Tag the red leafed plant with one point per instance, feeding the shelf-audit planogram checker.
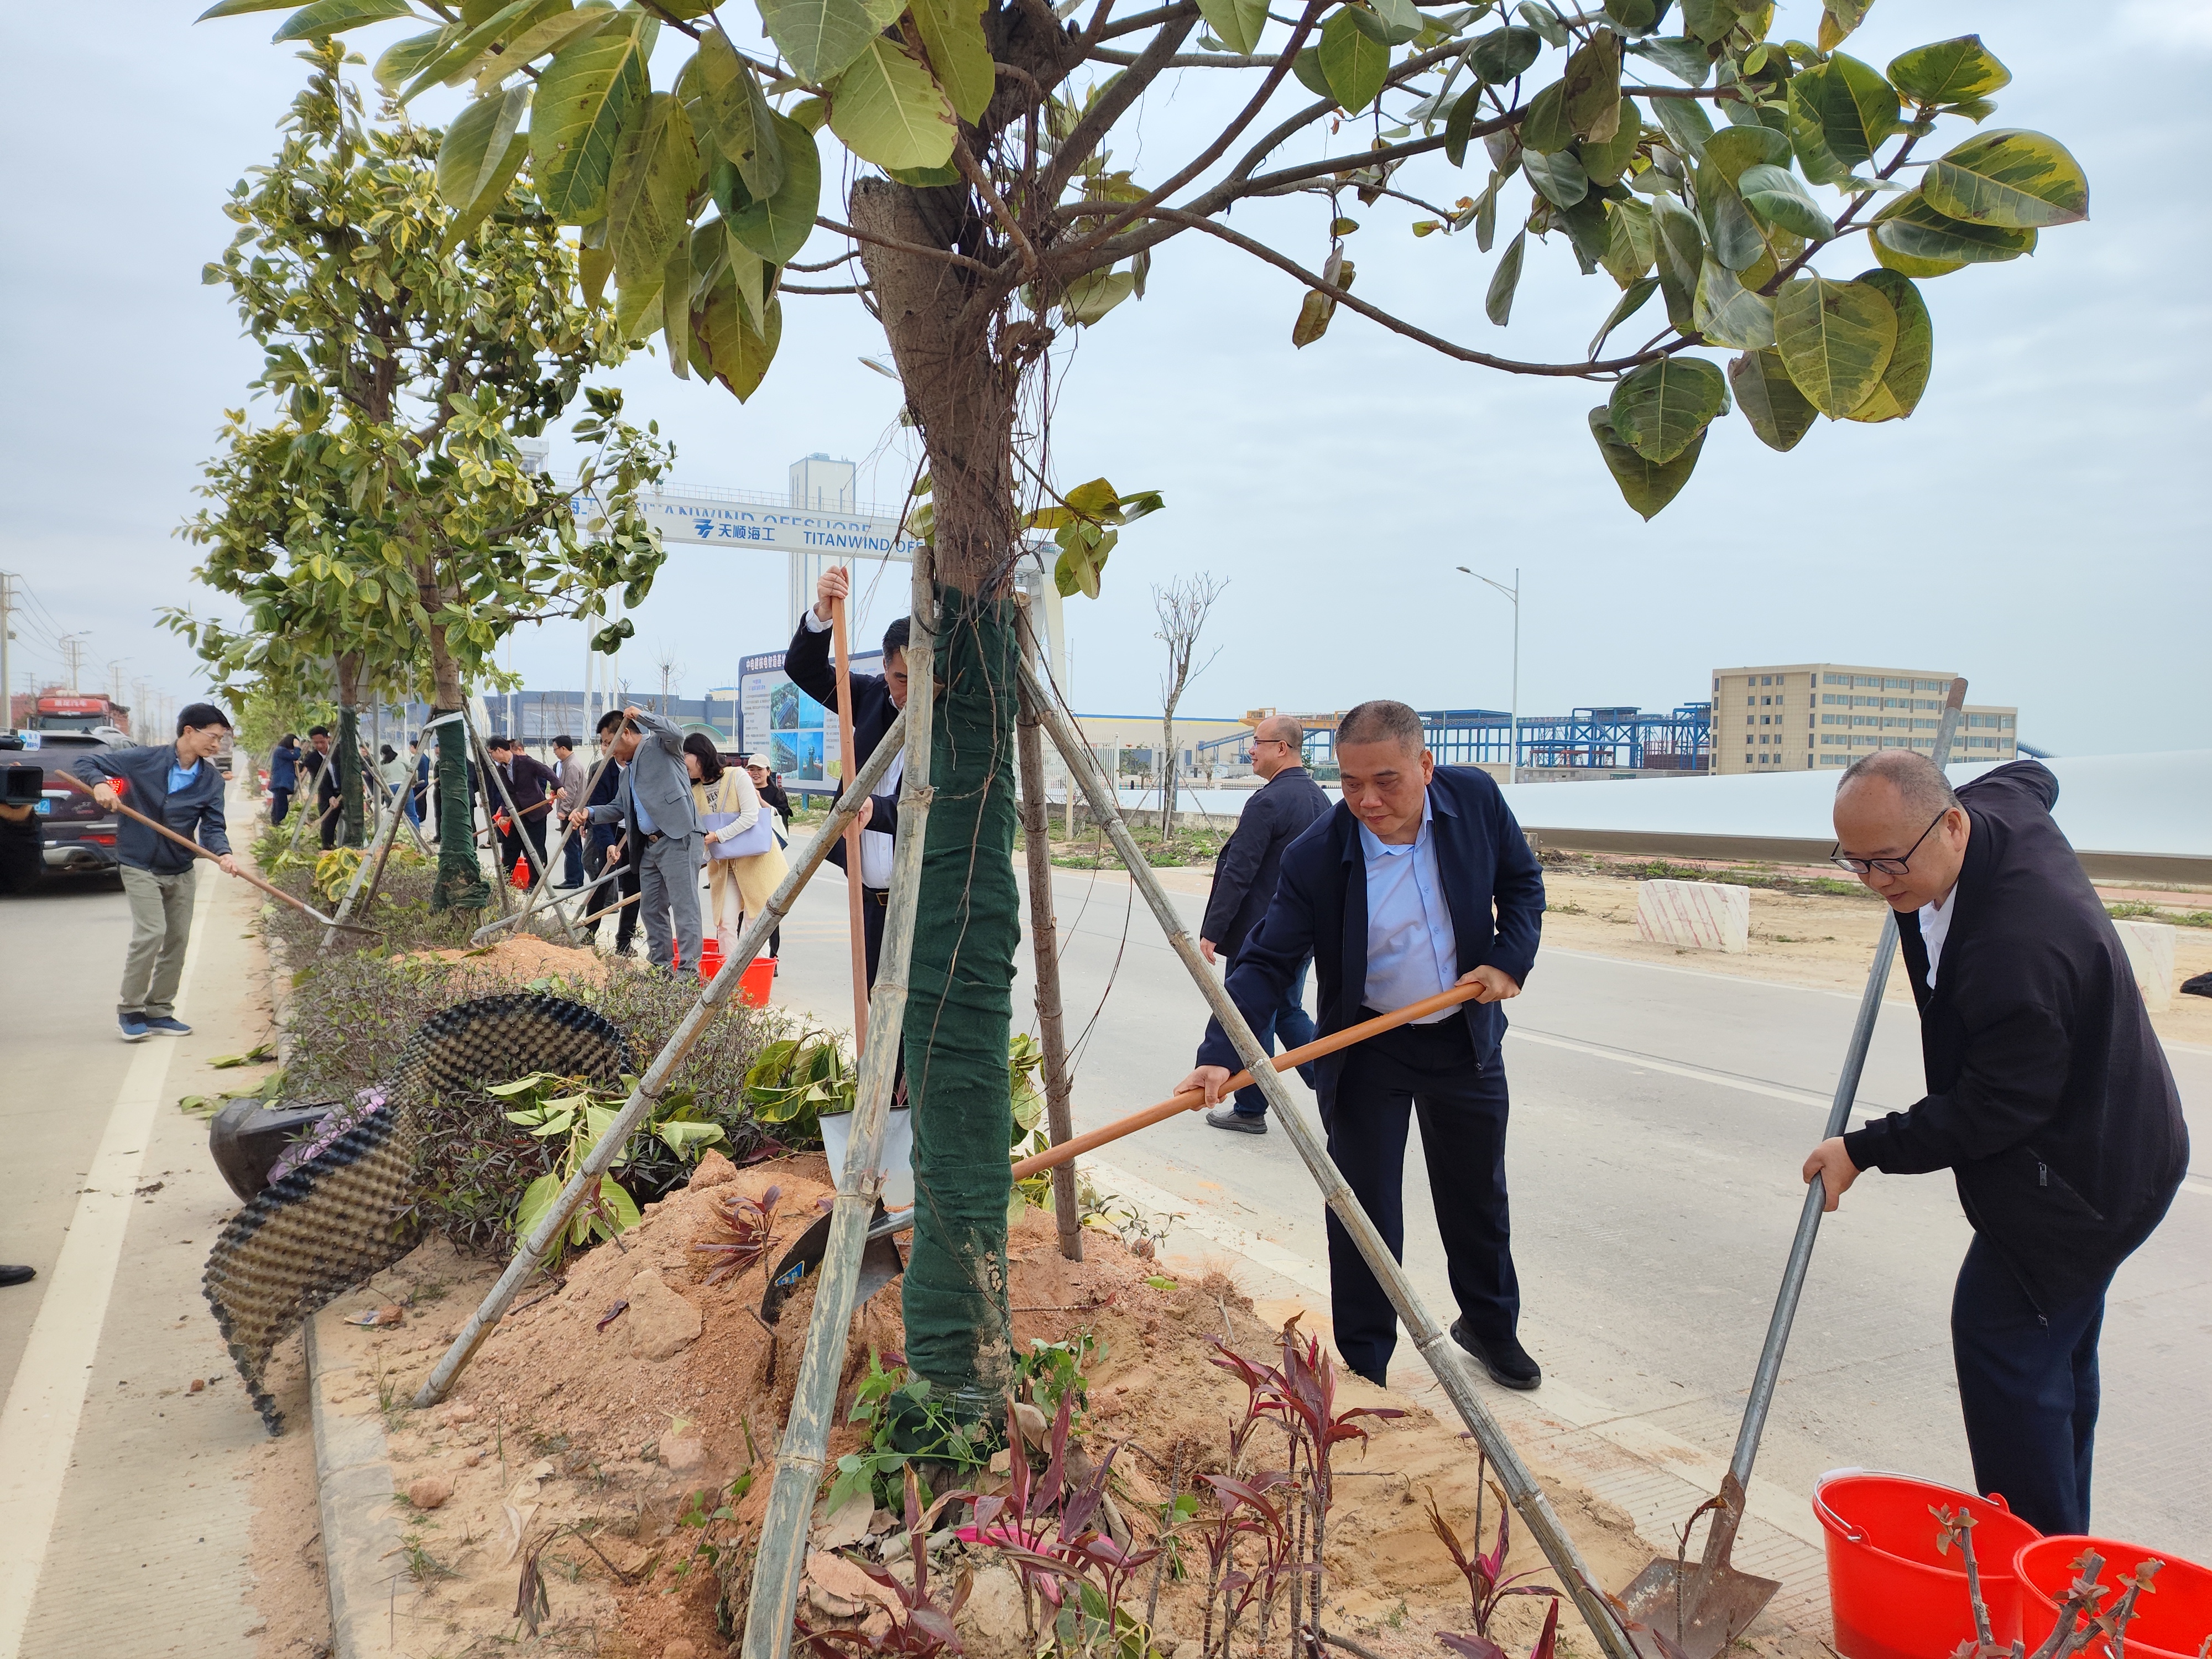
(921, 1628)
(2079, 1620)
(749, 1225)
(1481, 1647)
(1487, 1584)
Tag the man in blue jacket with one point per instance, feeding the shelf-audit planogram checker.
(1418, 880)
(1244, 877)
(175, 784)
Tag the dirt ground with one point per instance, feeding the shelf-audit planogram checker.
(526, 956)
(620, 1429)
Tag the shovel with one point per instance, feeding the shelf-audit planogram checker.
(1708, 1606)
(84, 788)
(880, 1261)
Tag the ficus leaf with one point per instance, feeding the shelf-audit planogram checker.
(1770, 399)
(1498, 303)
(1605, 160)
(2014, 179)
(730, 111)
(325, 18)
(584, 98)
(777, 227)
(819, 38)
(1774, 194)
(1591, 87)
(1560, 179)
(1355, 56)
(1912, 237)
(1631, 302)
(1545, 128)
(1660, 408)
(1836, 339)
(1646, 485)
(1902, 383)
(952, 34)
(1949, 72)
(889, 109)
(481, 152)
(1503, 53)
(648, 192)
(1729, 314)
(1857, 109)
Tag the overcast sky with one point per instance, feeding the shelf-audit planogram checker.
(2039, 526)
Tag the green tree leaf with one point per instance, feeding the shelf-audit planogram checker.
(1736, 240)
(1774, 194)
(1646, 485)
(1912, 237)
(1400, 22)
(778, 227)
(676, 308)
(819, 38)
(1730, 314)
(1306, 66)
(649, 191)
(327, 17)
(1836, 339)
(1857, 109)
(547, 34)
(1733, 150)
(1500, 55)
(1659, 408)
(1091, 296)
(1631, 302)
(1631, 240)
(1688, 127)
(1559, 178)
(1591, 95)
(240, 8)
(1459, 125)
(402, 58)
(728, 108)
(1906, 377)
(1770, 399)
(740, 353)
(1355, 57)
(1949, 72)
(2015, 180)
(584, 97)
(459, 59)
(1605, 160)
(1679, 243)
(952, 34)
(1808, 136)
(1543, 20)
(1545, 129)
(1684, 59)
(483, 151)
(889, 110)
(1498, 303)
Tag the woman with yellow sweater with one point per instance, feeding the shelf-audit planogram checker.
(741, 886)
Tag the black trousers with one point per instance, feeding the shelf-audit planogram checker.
(280, 803)
(2028, 1389)
(875, 910)
(1431, 1070)
(333, 819)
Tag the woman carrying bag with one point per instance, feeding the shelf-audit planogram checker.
(744, 856)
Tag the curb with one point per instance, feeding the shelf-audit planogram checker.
(362, 1551)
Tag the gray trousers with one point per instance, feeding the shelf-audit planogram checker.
(668, 886)
(161, 923)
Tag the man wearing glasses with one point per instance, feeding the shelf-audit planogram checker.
(2049, 1100)
(1244, 882)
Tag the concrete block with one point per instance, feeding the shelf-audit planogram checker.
(1694, 915)
(2149, 945)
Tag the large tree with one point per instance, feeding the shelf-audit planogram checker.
(382, 532)
(986, 217)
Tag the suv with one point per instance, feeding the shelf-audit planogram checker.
(76, 836)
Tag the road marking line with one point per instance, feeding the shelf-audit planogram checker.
(1672, 1068)
(39, 1424)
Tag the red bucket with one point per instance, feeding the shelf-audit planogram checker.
(710, 959)
(1894, 1597)
(756, 981)
(2172, 1623)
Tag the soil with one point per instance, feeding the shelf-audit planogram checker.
(600, 1434)
(526, 958)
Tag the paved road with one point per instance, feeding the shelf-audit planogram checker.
(1660, 1117)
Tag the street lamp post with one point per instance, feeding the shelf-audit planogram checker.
(1513, 765)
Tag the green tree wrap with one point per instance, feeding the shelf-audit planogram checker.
(460, 884)
(349, 791)
(958, 1011)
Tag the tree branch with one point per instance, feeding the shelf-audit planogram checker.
(801, 288)
(1126, 89)
(1184, 59)
(946, 254)
(1260, 250)
(1145, 20)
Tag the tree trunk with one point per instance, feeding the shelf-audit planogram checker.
(961, 373)
(349, 784)
(460, 884)
(1168, 778)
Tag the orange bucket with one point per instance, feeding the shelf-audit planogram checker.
(756, 981)
(710, 958)
(521, 878)
(1893, 1595)
(2172, 1623)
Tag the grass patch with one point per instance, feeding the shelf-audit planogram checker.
(1184, 847)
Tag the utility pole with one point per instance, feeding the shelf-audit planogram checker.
(6, 633)
(72, 647)
(141, 724)
(1513, 764)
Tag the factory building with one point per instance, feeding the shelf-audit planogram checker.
(1802, 716)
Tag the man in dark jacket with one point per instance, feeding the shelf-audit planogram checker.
(283, 777)
(877, 700)
(2049, 1099)
(1418, 880)
(175, 784)
(320, 763)
(530, 784)
(1244, 881)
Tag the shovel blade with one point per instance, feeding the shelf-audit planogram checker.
(880, 1261)
(1664, 1599)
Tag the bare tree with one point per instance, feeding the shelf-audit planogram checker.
(672, 675)
(1182, 607)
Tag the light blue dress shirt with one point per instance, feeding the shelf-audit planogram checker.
(645, 826)
(1412, 951)
(180, 777)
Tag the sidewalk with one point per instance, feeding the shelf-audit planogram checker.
(127, 1498)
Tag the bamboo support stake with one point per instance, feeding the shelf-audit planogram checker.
(781, 1562)
(1430, 1337)
(537, 864)
(386, 833)
(855, 901)
(539, 888)
(648, 1093)
(1044, 956)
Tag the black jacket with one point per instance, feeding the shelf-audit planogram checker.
(194, 811)
(2048, 1098)
(1244, 873)
(1492, 883)
(811, 668)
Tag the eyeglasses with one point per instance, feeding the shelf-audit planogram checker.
(1888, 866)
(1280, 742)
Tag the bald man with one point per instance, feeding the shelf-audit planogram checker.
(2049, 1100)
(1244, 877)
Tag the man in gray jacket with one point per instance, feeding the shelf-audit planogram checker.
(654, 808)
(177, 785)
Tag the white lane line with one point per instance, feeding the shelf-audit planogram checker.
(39, 1424)
(1673, 1068)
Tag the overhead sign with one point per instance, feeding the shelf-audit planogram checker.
(700, 518)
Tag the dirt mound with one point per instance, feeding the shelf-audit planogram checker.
(508, 961)
(608, 1422)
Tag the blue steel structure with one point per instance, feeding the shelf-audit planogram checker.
(1613, 738)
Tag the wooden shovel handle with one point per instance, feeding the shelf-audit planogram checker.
(1191, 1100)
